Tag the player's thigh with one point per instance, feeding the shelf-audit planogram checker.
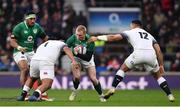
(18, 56)
(34, 69)
(91, 72)
(87, 64)
(152, 66)
(29, 56)
(46, 70)
(130, 61)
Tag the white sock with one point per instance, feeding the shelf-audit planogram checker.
(26, 88)
(161, 80)
(120, 73)
(38, 91)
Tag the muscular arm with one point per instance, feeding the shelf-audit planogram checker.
(159, 54)
(113, 37)
(69, 53)
(13, 43)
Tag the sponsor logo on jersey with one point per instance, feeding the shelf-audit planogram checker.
(45, 73)
(22, 56)
(35, 31)
(30, 38)
(25, 32)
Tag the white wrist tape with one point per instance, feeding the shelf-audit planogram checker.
(103, 37)
(19, 47)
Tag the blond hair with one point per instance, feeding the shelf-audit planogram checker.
(81, 28)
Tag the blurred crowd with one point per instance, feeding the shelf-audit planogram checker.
(160, 18)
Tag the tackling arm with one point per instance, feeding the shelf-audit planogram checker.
(69, 53)
(113, 37)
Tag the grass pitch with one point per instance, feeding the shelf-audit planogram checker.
(90, 98)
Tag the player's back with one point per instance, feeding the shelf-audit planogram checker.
(50, 50)
(140, 39)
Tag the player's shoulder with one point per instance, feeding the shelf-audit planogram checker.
(37, 25)
(88, 36)
(73, 37)
(18, 26)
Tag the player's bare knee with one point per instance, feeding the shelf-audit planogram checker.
(24, 69)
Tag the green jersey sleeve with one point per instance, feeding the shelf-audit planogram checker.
(16, 31)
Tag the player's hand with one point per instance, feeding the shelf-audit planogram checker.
(75, 65)
(22, 49)
(76, 50)
(161, 69)
(92, 39)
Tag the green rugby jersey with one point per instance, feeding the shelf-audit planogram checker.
(26, 35)
(73, 41)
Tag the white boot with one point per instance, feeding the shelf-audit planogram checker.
(109, 93)
(73, 95)
(171, 98)
(101, 98)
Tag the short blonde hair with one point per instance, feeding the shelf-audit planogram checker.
(81, 28)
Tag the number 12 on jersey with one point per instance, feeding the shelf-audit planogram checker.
(143, 35)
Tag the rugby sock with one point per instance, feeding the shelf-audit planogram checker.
(118, 78)
(164, 85)
(37, 93)
(76, 84)
(26, 88)
(98, 88)
(24, 93)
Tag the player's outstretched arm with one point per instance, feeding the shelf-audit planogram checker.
(113, 37)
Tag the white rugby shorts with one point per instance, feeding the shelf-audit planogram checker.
(147, 58)
(18, 56)
(42, 68)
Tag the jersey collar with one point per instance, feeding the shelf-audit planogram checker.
(26, 24)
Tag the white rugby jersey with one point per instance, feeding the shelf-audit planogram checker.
(139, 38)
(50, 50)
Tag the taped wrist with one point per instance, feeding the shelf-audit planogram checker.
(19, 47)
(103, 37)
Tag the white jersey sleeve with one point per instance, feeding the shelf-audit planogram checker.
(50, 50)
(139, 38)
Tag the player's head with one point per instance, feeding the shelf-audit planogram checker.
(80, 32)
(30, 18)
(135, 24)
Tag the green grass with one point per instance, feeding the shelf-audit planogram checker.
(90, 98)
